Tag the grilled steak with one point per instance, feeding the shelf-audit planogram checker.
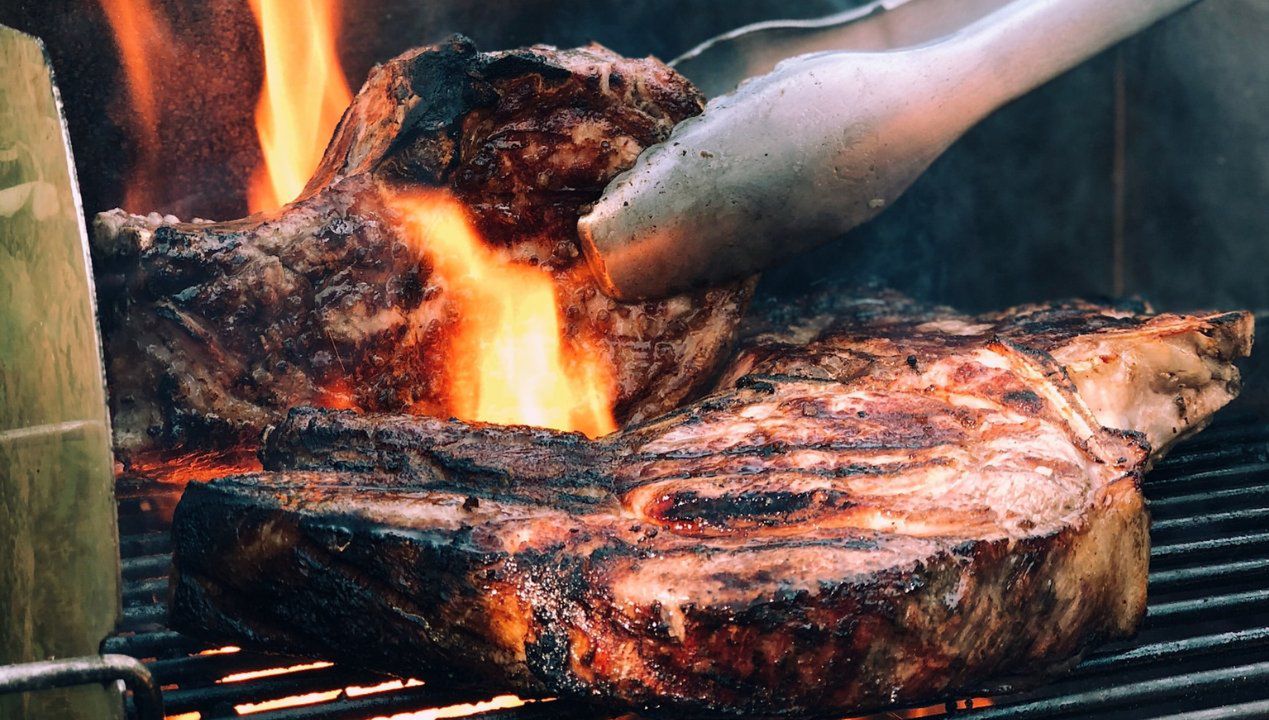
(214, 329)
(887, 505)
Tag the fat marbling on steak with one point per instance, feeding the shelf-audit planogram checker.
(213, 330)
(886, 504)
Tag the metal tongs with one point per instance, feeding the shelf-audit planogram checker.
(827, 140)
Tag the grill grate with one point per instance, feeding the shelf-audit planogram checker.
(1202, 653)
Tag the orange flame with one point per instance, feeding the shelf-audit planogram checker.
(508, 360)
(144, 42)
(303, 96)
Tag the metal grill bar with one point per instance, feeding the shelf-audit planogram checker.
(1240, 601)
(1176, 550)
(147, 590)
(146, 566)
(1203, 651)
(205, 668)
(152, 644)
(1170, 579)
(1245, 517)
(135, 618)
(1189, 647)
(1258, 709)
(1210, 477)
(368, 707)
(154, 543)
(273, 688)
(1198, 499)
(1119, 696)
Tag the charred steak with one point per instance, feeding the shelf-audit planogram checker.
(214, 329)
(888, 505)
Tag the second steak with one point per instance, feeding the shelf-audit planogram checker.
(213, 330)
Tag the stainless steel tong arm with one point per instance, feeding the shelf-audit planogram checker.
(825, 142)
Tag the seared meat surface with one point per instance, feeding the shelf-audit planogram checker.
(214, 329)
(888, 504)
(1107, 352)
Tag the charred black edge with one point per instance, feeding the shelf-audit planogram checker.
(443, 78)
(451, 79)
(424, 452)
(326, 582)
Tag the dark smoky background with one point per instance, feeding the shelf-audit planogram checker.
(1145, 171)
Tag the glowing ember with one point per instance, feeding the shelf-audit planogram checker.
(508, 360)
(338, 395)
(500, 702)
(196, 466)
(931, 710)
(292, 701)
(303, 95)
(270, 672)
(357, 690)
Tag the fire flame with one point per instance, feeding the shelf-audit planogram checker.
(144, 41)
(508, 359)
(302, 98)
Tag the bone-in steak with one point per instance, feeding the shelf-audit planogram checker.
(887, 505)
(214, 329)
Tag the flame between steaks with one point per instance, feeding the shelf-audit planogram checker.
(508, 360)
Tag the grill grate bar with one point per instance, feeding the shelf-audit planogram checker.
(1175, 473)
(1208, 603)
(152, 644)
(1117, 696)
(1189, 647)
(1241, 493)
(1190, 461)
(1158, 481)
(1196, 521)
(225, 695)
(146, 567)
(145, 591)
(153, 543)
(417, 698)
(1257, 709)
(1179, 550)
(205, 669)
(144, 616)
(1170, 579)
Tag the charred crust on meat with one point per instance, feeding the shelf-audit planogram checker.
(518, 63)
(441, 79)
(1024, 400)
(742, 509)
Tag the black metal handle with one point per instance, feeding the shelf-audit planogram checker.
(50, 674)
